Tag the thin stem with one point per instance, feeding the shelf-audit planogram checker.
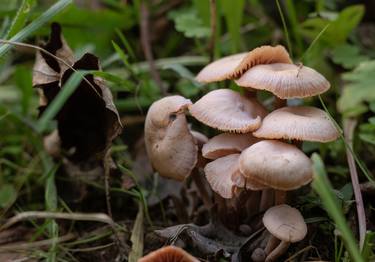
(271, 244)
(278, 251)
(201, 188)
(266, 200)
(349, 127)
(280, 197)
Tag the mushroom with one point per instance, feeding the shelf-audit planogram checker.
(171, 147)
(298, 123)
(219, 174)
(227, 110)
(277, 165)
(285, 80)
(233, 66)
(227, 143)
(286, 225)
(169, 254)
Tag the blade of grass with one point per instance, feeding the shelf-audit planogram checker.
(286, 32)
(51, 205)
(314, 42)
(66, 91)
(36, 24)
(126, 43)
(323, 187)
(20, 19)
(137, 236)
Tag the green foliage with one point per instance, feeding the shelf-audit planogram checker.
(7, 195)
(358, 89)
(233, 13)
(189, 23)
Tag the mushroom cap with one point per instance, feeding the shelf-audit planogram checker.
(285, 80)
(276, 164)
(226, 144)
(286, 223)
(298, 122)
(220, 69)
(233, 66)
(219, 173)
(168, 254)
(262, 55)
(227, 110)
(171, 147)
(200, 138)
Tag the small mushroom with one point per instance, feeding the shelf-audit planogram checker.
(169, 254)
(227, 110)
(233, 66)
(285, 80)
(276, 164)
(286, 224)
(171, 147)
(298, 123)
(219, 173)
(226, 144)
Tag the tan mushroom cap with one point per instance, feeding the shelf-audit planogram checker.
(233, 66)
(286, 223)
(285, 80)
(276, 164)
(219, 173)
(263, 55)
(298, 122)
(171, 147)
(226, 144)
(227, 110)
(220, 69)
(168, 254)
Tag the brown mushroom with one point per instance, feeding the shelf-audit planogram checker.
(226, 144)
(233, 66)
(298, 123)
(286, 224)
(227, 110)
(169, 254)
(171, 147)
(285, 80)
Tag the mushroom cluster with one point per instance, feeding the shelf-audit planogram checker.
(258, 150)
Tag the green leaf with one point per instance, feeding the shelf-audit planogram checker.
(23, 78)
(7, 195)
(360, 88)
(368, 246)
(339, 28)
(323, 187)
(36, 24)
(189, 23)
(347, 56)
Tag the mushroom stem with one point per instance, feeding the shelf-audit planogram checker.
(266, 200)
(280, 197)
(278, 103)
(278, 251)
(201, 188)
(271, 244)
(221, 208)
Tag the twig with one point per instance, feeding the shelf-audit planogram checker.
(211, 45)
(349, 127)
(146, 46)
